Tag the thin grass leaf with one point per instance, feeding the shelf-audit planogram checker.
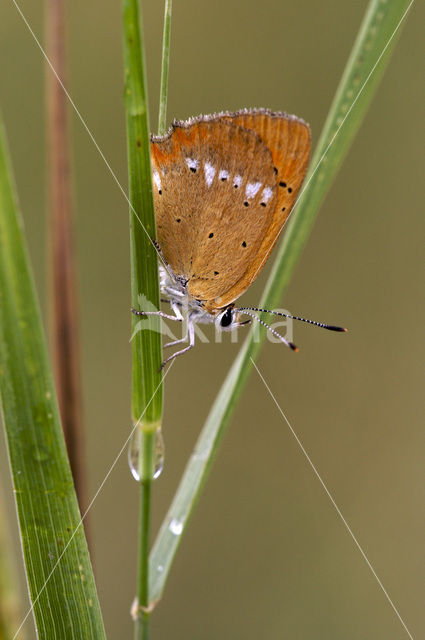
(365, 66)
(162, 117)
(146, 345)
(57, 563)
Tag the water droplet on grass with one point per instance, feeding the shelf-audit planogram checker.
(134, 454)
(176, 526)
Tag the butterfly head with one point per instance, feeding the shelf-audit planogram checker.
(229, 319)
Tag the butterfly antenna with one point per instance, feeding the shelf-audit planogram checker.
(165, 264)
(291, 345)
(330, 327)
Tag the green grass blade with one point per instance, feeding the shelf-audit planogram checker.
(162, 118)
(147, 394)
(370, 54)
(146, 345)
(59, 573)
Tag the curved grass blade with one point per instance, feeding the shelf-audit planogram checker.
(57, 562)
(365, 66)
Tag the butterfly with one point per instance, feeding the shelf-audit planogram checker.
(224, 185)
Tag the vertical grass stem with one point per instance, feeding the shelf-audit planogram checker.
(162, 118)
(146, 344)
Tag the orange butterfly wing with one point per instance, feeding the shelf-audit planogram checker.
(200, 223)
(288, 139)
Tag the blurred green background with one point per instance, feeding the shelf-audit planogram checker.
(265, 553)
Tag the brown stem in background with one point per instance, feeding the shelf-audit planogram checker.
(63, 285)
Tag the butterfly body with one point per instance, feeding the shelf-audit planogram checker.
(186, 306)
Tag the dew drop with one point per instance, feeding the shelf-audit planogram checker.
(160, 568)
(134, 454)
(159, 454)
(176, 526)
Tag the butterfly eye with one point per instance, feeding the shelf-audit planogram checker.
(227, 318)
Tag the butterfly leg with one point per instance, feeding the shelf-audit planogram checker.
(174, 342)
(179, 316)
(191, 333)
(177, 313)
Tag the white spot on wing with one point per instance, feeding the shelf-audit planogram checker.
(157, 179)
(223, 175)
(267, 194)
(209, 171)
(192, 163)
(252, 188)
(237, 181)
